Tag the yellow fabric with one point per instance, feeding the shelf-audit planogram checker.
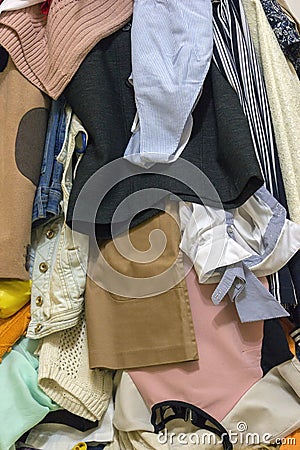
(12, 328)
(14, 294)
(80, 446)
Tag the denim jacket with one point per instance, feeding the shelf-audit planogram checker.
(48, 194)
(59, 269)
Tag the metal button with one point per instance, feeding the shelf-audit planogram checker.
(39, 301)
(50, 234)
(43, 267)
(38, 328)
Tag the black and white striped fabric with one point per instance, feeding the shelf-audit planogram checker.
(234, 55)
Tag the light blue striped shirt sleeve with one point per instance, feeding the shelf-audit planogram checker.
(172, 44)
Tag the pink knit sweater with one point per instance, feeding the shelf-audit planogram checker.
(49, 50)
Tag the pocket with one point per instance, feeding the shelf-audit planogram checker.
(77, 269)
(71, 263)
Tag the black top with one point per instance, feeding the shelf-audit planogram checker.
(220, 145)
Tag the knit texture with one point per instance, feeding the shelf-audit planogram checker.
(64, 374)
(12, 328)
(49, 51)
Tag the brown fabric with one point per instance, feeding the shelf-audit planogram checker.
(12, 328)
(49, 52)
(23, 122)
(126, 331)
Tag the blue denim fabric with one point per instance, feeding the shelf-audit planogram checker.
(48, 194)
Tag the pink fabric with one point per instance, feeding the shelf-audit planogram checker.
(229, 358)
(49, 50)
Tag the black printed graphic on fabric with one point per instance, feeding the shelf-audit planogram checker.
(164, 412)
(30, 143)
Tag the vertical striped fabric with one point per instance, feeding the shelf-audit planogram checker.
(234, 55)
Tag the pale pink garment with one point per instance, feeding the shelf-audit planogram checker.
(229, 358)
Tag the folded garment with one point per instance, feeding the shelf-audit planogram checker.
(25, 402)
(65, 376)
(271, 406)
(12, 328)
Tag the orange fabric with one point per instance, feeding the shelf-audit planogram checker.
(287, 328)
(12, 328)
(292, 441)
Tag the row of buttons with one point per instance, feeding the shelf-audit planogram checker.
(43, 267)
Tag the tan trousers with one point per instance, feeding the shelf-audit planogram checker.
(141, 314)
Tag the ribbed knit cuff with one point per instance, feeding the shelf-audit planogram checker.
(75, 396)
